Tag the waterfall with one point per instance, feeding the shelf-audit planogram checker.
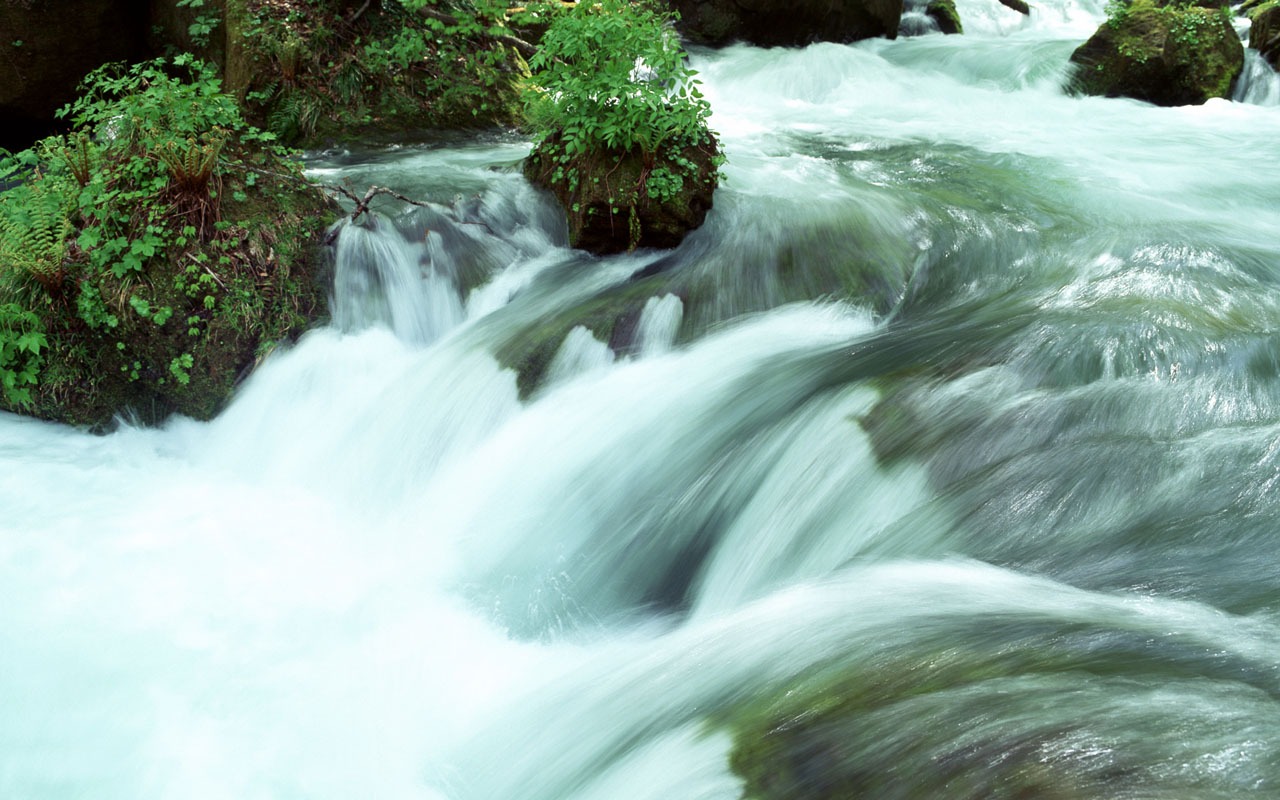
(1258, 84)
(941, 462)
(916, 20)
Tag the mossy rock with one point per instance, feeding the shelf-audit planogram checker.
(612, 199)
(944, 13)
(225, 308)
(772, 23)
(1169, 56)
(1264, 32)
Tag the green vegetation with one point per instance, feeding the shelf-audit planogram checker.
(1171, 54)
(146, 256)
(609, 84)
(320, 70)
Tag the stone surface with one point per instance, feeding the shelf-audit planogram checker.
(1167, 56)
(773, 23)
(612, 211)
(47, 47)
(1264, 33)
(944, 13)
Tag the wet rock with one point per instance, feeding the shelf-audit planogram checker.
(618, 201)
(944, 13)
(1264, 33)
(1169, 56)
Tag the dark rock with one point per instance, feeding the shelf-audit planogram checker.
(1264, 33)
(771, 23)
(944, 13)
(1169, 56)
(1017, 5)
(612, 208)
(46, 47)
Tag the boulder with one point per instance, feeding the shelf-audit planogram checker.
(46, 47)
(771, 23)
(944, 13)
(619, 201)
(1169, 56)
(1264, 32)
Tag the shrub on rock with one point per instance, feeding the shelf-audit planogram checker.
(620, 128)
(149, 257)
(1170, 55)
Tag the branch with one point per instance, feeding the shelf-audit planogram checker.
(362, 203)
(524, 48)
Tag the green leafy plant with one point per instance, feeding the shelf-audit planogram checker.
(613, 75)
(609, 83)
(161, 201)
(21, 345)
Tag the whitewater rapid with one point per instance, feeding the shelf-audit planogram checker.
(1030, 460)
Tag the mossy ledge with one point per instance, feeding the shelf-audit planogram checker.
(1169, 55)
(152, 256)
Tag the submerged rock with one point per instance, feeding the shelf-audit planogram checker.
(769, 23)
(1166, 55)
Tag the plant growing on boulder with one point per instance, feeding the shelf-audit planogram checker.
(620, 127)
(147, 258)
(1170, 55)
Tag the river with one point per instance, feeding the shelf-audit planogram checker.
(941, 462)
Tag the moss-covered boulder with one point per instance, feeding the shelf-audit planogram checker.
(1166, 55)
(152, 256)
(943, 12)
(1264, 32)
(771, 23)
(620, 200)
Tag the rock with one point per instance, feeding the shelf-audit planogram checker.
(627, 200)
(1264, 33)
(1169, 56)
(46, 47)
(1017, 5)
(771, 23)
(944, 13)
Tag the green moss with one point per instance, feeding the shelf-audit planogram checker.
(1264, 31)
(165, 258)
(1168, 55)
(945, 14)
(312, 75)
(259, 282)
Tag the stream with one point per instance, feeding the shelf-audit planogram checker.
(942, 461)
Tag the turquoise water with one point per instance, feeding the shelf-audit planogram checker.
(965, 402)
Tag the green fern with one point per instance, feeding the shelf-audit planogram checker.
(35, 225)
(191, 161)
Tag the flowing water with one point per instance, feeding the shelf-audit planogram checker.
(941, 462)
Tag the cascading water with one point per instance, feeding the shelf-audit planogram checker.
(941, 462)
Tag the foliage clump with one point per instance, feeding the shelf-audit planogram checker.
(149, 254)
(1170, 55)
(333, 69)
(620, 127)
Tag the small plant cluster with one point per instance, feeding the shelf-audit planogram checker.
(610, 79)
(157, 170)
(414, 63)
(1188, 23)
